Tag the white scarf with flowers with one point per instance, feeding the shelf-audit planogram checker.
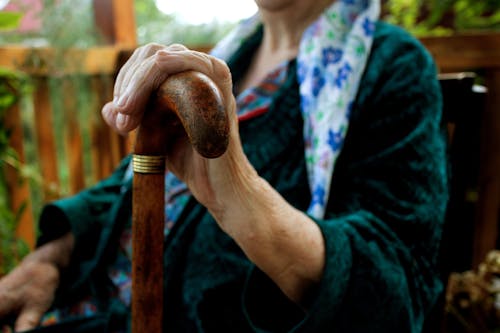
(332, 57)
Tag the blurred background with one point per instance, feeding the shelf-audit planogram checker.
(40, 22)
(59, 58)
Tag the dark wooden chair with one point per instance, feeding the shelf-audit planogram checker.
(463, 105)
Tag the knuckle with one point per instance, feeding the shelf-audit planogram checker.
(137, 52)
(153, 72)
(146, 50)
(176, 47)
(220, 69)
(158, 58)
(202, 59)
(152, 47)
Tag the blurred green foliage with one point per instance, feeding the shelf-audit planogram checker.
(69, 23)
(65, 23)
(9, 20)
(12, 249)
(12, 86)
(443, 17)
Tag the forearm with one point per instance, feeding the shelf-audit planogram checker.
(281, 240)
(57, 252)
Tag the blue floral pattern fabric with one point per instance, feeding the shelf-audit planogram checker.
(332, 57)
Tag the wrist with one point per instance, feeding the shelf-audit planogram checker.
(251, 213)
(234, 186)
(282, 241)
(237, 200)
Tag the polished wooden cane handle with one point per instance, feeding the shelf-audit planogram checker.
(192, 100)
(189, 104)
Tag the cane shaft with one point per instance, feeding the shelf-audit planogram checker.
(147, 268)
(189, 101)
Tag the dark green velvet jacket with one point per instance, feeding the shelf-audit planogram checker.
(382, 229)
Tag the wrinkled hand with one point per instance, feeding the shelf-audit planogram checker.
(210, 180)
(147, 69)
(282, 241)
(28, 292)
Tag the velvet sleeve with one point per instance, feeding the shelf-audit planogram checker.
(91, 216)
(386, 208)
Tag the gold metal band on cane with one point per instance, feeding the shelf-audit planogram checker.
(148, 163)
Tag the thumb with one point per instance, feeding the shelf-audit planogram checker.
(28, 319)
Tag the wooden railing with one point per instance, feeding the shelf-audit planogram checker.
(115, 20)
(90, 150)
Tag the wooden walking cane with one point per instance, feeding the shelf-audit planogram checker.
(186, 103)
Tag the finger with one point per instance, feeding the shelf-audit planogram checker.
(148, 76)
(123, 72)
(109, 114)
(133, 101)
(28, 319)
(122, 123)
(176, 47)
(216, 69)
(137, 58)
(142, 76)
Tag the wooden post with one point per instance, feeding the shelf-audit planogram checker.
(44, 131)
(17, 187)
(105, 150)
(116, 21)
(73, 137)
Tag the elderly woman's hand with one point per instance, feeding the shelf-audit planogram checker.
(147, 69)
(28, 291)
(281, 240)
(140, 77)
